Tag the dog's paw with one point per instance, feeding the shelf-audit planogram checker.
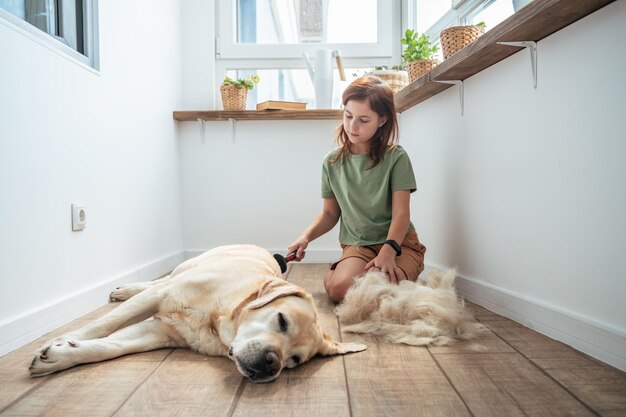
(122, 293)
(126, 291)
(54, 356)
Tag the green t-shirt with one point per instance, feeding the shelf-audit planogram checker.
(364, 195)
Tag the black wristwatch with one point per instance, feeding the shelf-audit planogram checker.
(395, 246)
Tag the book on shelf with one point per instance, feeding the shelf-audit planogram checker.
(281, 105)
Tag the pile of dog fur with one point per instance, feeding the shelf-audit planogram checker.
(427, 312)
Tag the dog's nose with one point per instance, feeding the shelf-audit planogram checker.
(273, 361)
(265, 368)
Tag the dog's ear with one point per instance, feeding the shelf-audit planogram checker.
(276, 288)
(329, 347)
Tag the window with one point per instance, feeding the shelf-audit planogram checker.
(429, 12)
(69, 26)
(312, 21)
(268, 38)
(286, 28)
(491, 12)
(291, 85)
(432, 16)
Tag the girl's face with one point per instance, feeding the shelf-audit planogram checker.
(360, 123)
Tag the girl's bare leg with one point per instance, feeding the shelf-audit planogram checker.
(338, 281)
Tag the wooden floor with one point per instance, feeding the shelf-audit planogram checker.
(518, 373)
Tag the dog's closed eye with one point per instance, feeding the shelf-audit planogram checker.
(295, 359)
(282, 322)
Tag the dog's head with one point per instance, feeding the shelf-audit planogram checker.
(280, 329)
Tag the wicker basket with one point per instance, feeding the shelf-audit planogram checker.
(455, 38)
(418, 68)
(396, 80)
(234, 98)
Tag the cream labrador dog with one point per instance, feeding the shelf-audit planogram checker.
(230, 301)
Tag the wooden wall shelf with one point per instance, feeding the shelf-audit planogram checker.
(534, 22)
(258, 115)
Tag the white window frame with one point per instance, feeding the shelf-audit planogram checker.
(65, 46)
(460, 13)
(230, 55)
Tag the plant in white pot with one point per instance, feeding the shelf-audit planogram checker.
(419, 54)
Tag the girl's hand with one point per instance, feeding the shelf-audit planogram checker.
(386, 263)
(298, 246)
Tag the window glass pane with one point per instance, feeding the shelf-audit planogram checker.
(429, 11)
(307, 21)
(42, 14)
(291, 85)
(492, 13)
(277, 84)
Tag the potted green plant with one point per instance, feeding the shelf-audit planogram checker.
(455, 38)
(419, 54)
(396, 77)
(235, 92)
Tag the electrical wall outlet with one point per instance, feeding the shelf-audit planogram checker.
(79, 218)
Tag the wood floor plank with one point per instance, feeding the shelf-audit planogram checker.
(601, 387)
(398, 380)
(316, 388)
(186, 384)
(507, 384)
(486, 342)
(509, 330)
(93, 390)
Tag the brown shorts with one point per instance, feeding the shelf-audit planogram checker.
(411, 261)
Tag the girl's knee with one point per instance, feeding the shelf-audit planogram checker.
(337, 286)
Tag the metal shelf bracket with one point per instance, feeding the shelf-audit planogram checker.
(202, 124)
(461, 89)
(532, 47)
(233, 126)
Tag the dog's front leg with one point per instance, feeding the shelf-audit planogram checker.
(63, 354)
(139, 308)
(135, 310)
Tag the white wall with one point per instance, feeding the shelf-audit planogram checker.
(105, 140)
(264, 188)
(524, 193)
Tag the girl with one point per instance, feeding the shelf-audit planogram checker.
(366, 182)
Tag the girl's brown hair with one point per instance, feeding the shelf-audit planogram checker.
(380, 98)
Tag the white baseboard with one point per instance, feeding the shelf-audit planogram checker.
(595, 339)
(313, 256)
(21, 329)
